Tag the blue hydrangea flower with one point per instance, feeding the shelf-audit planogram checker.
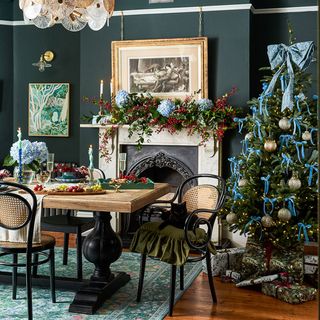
(27, 152)
(204, 104)
(40, 151)
(122, 98)
(166, 107)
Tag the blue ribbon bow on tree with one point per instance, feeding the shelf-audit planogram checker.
(311, 167)
(286, 160)
(284, 140)
(296, 124)
(254, 111)
(291, 205)
(272, 201)
(280, 55)
(299, 98)
(253, 219)
(234, 165)
(300, 144)
(245, 146)
(240, 123)
(252, 151)
(266, 183)
(303, 227)
(257, 129)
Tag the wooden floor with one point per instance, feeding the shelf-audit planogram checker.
(233, 303)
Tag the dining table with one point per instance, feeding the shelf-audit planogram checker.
(102, 246)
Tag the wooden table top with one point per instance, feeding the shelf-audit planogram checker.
(126, 201)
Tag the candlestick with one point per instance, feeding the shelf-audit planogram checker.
(20, 155)
(90, 152)
(101, 89)
(111, 88)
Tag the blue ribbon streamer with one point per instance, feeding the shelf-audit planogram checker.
(286, 160)
(311, 167)
(303, 227)
(240, 123)
(237, 195)
(296, 124)
(300, 144)
(257, 128)
(284, 140)
(252, 151)
(291, 205)
(267, 200)
(252, 220)
(254, 111)
(311, 133)
(245, 146)
(282, 83)
(266, 183)
(280, 56)
(233, 165)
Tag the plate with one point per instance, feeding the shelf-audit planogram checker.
(70, 180)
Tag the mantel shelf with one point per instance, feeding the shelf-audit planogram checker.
(99, 126)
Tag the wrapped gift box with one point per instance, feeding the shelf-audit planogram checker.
(310, 264)
(251, 282)
(256, 262)
(290, 293)
(223, 260)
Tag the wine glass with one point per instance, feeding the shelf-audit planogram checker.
(122, 162)
(50, 164)
(43, 177)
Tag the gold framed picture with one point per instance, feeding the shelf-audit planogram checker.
(166, 68)
(49, 109)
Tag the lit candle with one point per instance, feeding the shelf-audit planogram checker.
(20, 154)
(101, 88)
(111, 88)
(90, 152)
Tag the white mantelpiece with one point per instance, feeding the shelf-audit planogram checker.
(207, 162)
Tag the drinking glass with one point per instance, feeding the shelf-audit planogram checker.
(122, 162)
(43, 177)
(50, 164)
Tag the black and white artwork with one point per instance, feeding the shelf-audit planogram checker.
(159, 75)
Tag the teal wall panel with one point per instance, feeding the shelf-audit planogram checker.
(29, 43)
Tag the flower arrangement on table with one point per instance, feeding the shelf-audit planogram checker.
(32, 154)
(145, 113)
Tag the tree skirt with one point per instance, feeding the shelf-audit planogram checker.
(122, 305)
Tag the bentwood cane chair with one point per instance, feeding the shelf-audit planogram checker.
(74, 224)
(204, 195)
(17, 213)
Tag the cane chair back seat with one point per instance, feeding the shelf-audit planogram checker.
(17, 213)
(201, 197)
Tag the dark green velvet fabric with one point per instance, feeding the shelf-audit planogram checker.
(168, 244)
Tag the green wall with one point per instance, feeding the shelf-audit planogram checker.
(237, 48)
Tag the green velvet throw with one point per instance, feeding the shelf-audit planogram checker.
(168, 244)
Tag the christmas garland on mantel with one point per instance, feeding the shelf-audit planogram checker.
(145, 114)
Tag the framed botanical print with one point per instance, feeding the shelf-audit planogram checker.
(167, 68)
(49, 109)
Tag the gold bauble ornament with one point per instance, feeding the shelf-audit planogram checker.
(284, 214)
(294, 183)
(270, 145)
(306, 136)
(242, 182)
(231, 218)
(267, 221)
(284, 124)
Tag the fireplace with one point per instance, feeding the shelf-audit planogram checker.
(164, 157)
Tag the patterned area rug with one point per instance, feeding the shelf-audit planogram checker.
(122, 305)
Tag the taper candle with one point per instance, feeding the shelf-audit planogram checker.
(90, 152)
(20, 154)
(101, 88)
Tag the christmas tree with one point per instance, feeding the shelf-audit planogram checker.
(273, 183)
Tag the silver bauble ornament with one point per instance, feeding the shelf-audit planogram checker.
(284, 124)
(284, 214)
(270, 145)
(231, 218)
(294, 183)
(242, 183)
(306, 136)
(267, 221)
(248, 136)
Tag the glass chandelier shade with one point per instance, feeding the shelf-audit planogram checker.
(74, 15)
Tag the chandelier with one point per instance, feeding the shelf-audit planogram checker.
(74, 15)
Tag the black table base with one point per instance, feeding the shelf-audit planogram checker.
(102, 246)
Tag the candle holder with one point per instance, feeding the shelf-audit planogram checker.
(91, 176)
